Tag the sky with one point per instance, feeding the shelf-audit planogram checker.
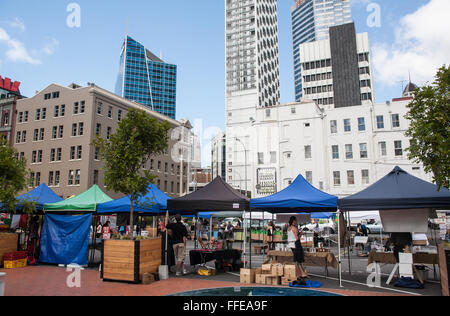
(38, 46)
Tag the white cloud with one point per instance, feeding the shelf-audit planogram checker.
(16, 51)
(421, 46)
(17, 23)
(50, 46)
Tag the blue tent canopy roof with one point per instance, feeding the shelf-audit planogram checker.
(398, 190)
(299, 196)
(154, 202)
(41, 195)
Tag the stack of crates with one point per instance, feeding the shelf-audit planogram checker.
(15, 260)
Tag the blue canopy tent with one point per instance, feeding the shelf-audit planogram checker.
(41, 195)
(153, 203)
(299, 196)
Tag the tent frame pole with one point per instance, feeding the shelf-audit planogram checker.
(245, 241)
(250, 238)
(339, 248)
(348, 246)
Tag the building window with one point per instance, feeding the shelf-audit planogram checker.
(33, 156)
(36, 135)
(82, 106)
(363, 150)
(119, 115)
(347, 126)
(41, 134)
(26, 116)
(76, 108)
(110, 112)
(349, 151)
(95, 176)
(97, 154)
(77, 177)
(47, 96)
(351, 177)
(308, 152)
(361, 124)
(54, 132)
(99, 108)
(309, 176)
(337, 178)
(72, 153)
(63, 111)
(71, 177)
(51, 178)
(56, 95)
(57, 178)
(38, 114)
(273, 157)
(98, 129)
(108, 133)
(44, 113)
(56, 113)
(380, 122)
(20, 117)
(79, 152)
(24, 136)
(32, 178)
(335, 151)
(398, 148)
(395, 121)
(80, 129)
(38, 179)
(383, 149)
(365, 177)
(59, 154)
(18, 137)
(74, 129)
(52, 155)
(40, 154)
(61, 131)
(260, 158)
(333, 126)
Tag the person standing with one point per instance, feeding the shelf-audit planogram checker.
(179, 235)
(270, 231)
(106, 231)
(295, 244)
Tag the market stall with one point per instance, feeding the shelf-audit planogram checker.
(300, 196)
(67, 228)
(218, 196)
(144, 255)
(405, 204)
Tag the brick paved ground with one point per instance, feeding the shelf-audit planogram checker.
(51, 281)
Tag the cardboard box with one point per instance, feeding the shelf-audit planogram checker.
(266, 267)
(248, 276)
(273, 280)
(290, 271)
(278, 269)
(286, 281)
(263, 278)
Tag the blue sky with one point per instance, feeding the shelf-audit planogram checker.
(38, 48)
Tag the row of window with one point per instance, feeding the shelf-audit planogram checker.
(110, 111)
(395, 123)
(76, 153)
(337, 181)
(52, 95)
(382, 146)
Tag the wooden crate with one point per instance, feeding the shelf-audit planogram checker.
(8, 243)
(128, 260)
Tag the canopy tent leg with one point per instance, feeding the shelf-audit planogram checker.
(250, 238)
(210, 229)
(348, 245)
(264, 236)
(339, 248)
(244, 255)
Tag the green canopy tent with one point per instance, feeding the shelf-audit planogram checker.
(83, 203)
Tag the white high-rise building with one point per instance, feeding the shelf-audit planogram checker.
(252, 78)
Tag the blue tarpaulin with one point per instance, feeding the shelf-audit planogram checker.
(65, 239)
(398, 190)
(154, 202)
(299, 196)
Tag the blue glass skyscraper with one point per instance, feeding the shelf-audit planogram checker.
(147, 79)
(311, 20)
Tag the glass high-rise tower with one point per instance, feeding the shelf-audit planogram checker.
(147, 79)
(311, 20)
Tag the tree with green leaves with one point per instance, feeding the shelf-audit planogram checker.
(429, 116)
(138, 137)
(13, 175)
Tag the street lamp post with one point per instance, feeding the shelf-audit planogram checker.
(246, 190)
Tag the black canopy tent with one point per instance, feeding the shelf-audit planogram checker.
(218, 196)
(396, 191)
(215, 197)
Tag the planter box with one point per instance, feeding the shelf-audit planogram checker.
(8, 243)
(128, 260)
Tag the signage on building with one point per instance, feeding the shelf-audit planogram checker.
(9, 85)
(267, 181)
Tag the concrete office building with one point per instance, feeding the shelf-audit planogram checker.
(338, 71)
(252, 73)
(218, 156)
(61, 124)
(311, 20)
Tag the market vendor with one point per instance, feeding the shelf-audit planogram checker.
(295, 244)
(400, 241)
